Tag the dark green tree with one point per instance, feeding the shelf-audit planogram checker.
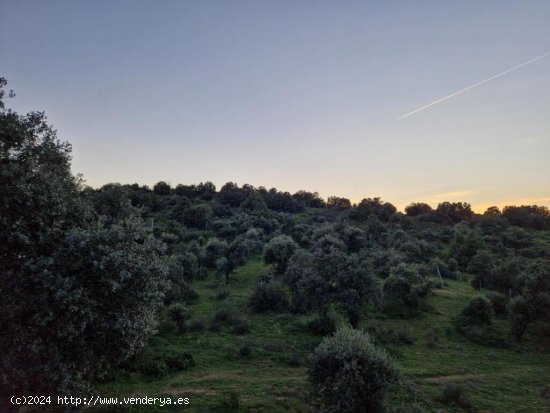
(338, 202)
(278, 251)
(349, 374)
(373, 206)
(162, 188)
(418, 208)
(405, 289)
(77, 295)
(532, 307)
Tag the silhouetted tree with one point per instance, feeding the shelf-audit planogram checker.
(528, 216)
(373, 206)
(453, 212)
(309, 199)
(162, 188)
(338, 202)
(492, 210)
(418, 208)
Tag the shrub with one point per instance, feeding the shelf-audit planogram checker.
(432, 336)
(349, 374)
(222, 294)
(269, 296)
(278, 251)
(240, 326)
(215, 326)
(295, 360)
(481, 264)
(475, 323)
(245, 349)
(222, 314)
(166, 325)
(230, 402)
(453, 393)
(499, 303)
(478, 311)
(389, 335)
(197, 324)
(322, 325)
(405, 288)
(197, 216)
(159, 365)
(465, 245)
(213, 250)
(178, 313)
(179, 362)
(180, 290)
(532, 307)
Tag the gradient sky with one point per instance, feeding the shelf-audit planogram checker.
(293, 94)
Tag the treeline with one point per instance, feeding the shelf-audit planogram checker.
(249, 197)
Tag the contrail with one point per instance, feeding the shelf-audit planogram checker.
(474, 85)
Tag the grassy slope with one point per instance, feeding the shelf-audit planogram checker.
(497, 380)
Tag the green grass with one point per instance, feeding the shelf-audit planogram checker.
(495, 379)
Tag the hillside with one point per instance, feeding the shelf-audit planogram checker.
(257, 361)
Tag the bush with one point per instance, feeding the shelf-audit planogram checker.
(166, 325)
(178, 313)
(478, 311)
(179, 362)
(475, 323)
(197, 324)
(349, 374)
(197, 216)
(222, 314)
(215, 326)
(213, 250)
(295, 360)
(269, 296)
(222, 295)
(499, 303)
(322, 325)
(180, 290)
(278, 251)
(240, 326)
(230, 402)
(245, 349)
(481, 265)
(405, 288)
(453, 393)
(389, 335)
(159, 365)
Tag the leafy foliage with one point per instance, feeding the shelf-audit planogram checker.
(405, 288)
(349, 374)
(278, 251)
(83, 294)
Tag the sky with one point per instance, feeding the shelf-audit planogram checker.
(294, 94)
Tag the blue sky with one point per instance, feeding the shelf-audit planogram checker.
(293, 94)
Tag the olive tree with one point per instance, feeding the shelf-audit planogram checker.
(278, 251)
(78, 295)
(349, 374)
(405, 288)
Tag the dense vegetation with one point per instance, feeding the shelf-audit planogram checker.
(245, 298)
